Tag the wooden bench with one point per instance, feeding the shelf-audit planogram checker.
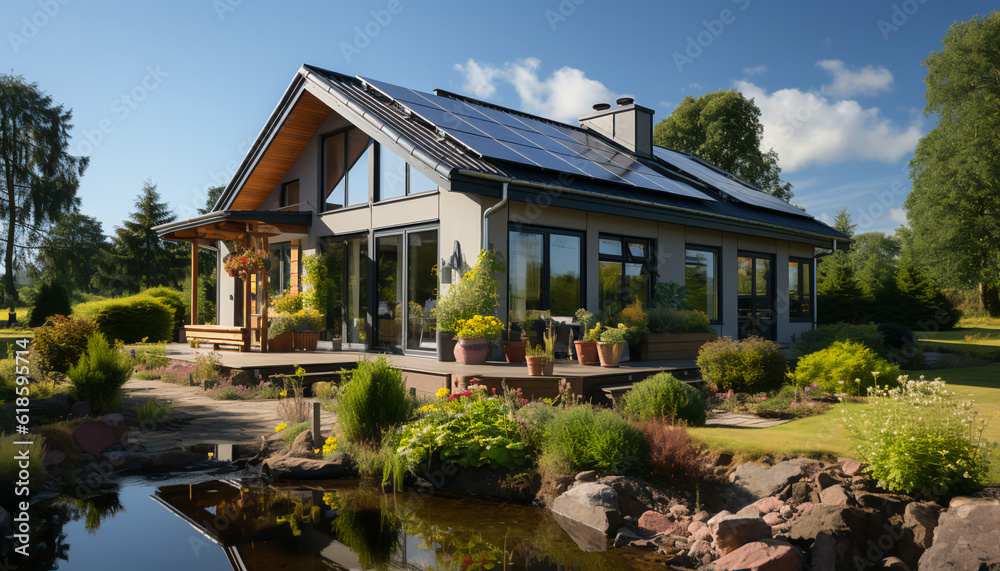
(216, 335)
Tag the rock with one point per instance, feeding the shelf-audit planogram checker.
(680, 510)
(772, 519)
(700, 550)
(823, 554)
(719, 517)
(655, 522)
(52, 459)
(750, 511)
(56, 406)
(895, 563)
(804, 507)
(959, 501)
(644, 544)
(765, 555)
(702, 533)
(732, 533)
(588, 476)
(787, 512)
(763, 481)
(850, 467)
(123, 460)
(702, 516)
(825, 480)
(288, 468)
(890, 504)
(769, 504)
(965, 538)
(921, 519)
(302, 446)
(835, 495)
(117, 421)
(636, 496)
(624, 537)
(80, 410)
(94, 437)
(853, 529)
(694, 526)
(797, 493)
(591, 504)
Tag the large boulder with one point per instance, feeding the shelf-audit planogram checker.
(919, 520)
(591, 504)
(764, 555)
(302, 446)
(654, 522)
(56, 406)
(290, 468)
(636, 497)
(965, 538)
(731, 533)
(762, 481)
(94, 437)
(860, 535)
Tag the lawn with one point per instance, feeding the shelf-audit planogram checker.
(823, 436)
(973, 341)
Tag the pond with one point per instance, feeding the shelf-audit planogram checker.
(199, 522)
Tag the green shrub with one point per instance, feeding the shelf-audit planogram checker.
(920, 438)
(844, 366)
(288, 302)
(822, 336)
(52, 299)
(750, 365)
(672, 320)
(373, 401)
(175, 300)
(533, 420)
(151, 411)
(302, 320)
(474, 294)
(292, 432)
(662, 395)
(587, 438)
(149, 357)
(130, 319)
(58, 346)
(100, 374)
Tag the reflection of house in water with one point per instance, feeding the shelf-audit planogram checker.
(255, 528)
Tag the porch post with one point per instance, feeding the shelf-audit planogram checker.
(194, 283)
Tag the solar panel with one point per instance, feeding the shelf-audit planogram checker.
(732, 187)
(517, 138)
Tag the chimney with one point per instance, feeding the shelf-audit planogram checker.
(629, 125)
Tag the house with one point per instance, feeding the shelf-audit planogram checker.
(398, 189)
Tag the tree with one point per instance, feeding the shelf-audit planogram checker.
(139, 258)
(842, 223)
(72, 249)
(724, 129)
(954, 207)
(874, 257)
(213, 196)
(39, 176)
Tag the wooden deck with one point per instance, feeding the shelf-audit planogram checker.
(426, 375)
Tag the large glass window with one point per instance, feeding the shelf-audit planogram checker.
(280, 271)
(347, 303)
(754, 295)
(421, 288)
(544, 270)
(289, 194)
(625, 272)
(800, 294)
(345, 168)
(701, 279)
(397, 178)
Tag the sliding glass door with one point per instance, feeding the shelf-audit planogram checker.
(406, 288)
(347, 262)
(755, 295)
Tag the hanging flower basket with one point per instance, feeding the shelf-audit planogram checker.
(242, 263)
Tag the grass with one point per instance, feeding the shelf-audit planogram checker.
(982, 342)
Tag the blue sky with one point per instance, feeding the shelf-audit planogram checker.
(176, 91)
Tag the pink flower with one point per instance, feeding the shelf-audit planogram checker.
(763, 398)
(815, 386)
(807, 389)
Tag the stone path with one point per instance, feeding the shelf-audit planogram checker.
(733, 420)
(204, 420)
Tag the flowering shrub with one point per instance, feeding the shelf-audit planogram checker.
(241, 263)
(468, 429)
(479, 326)
(474, 294)
(750, 365)
(330, 447)
(920, 438)
(844, 366)
(288, 302)
(59, 346)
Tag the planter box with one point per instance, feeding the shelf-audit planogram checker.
(306, 340)
(281, 342)
(655, 346)
(337, 344)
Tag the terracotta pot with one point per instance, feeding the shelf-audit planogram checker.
(513, 351)
(586, 353)
(472, 351)
(539, 366)
(609, 353)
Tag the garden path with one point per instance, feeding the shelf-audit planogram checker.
(203, 420)
(733, 420)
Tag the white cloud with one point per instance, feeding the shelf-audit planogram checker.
(869, 80)
(806, 128)
(826, 219)
(757, 69)
(694, 86)
(564, 95)
(898, 215)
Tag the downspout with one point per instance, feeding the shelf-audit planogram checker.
(489, 212)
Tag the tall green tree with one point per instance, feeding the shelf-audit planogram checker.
(842, 222)
(213, 196)
(724, 129)
(874, 257)
(139, 258)
(38, 176)
(954, 207)
(73, 247)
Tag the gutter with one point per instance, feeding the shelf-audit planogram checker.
(489, 212)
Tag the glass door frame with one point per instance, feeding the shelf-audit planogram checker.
(403, 270)
(344, 278)
(750, 326)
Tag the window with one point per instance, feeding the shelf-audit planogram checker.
(800, 293)
(345, 169)
(625, 272)
(289, 194)
(544, 272)
(397, 178)
(701, 279)
(280, 274)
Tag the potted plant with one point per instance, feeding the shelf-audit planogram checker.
(474, 294)
(337, 343)
(609, 348)
(539, 361)
(281, 333)
(308, 324)
(299, 330)
(474, 338)
(586, 348)
(514, 350)
(676, 333)
(636, 323)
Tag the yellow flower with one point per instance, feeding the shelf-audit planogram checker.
(283, 393)
(442, 392)
(315, 450)
(280, 427)
(210, 454)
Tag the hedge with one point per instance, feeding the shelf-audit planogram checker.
(130, 319)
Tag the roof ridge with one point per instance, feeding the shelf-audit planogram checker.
(457, 96)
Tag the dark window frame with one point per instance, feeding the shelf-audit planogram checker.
(546, 268)
(407, 192)
(717, 250)
(283, 196)
(627, 258)
(812, 290)
(322, 192)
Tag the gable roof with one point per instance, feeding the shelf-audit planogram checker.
(456, 140)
